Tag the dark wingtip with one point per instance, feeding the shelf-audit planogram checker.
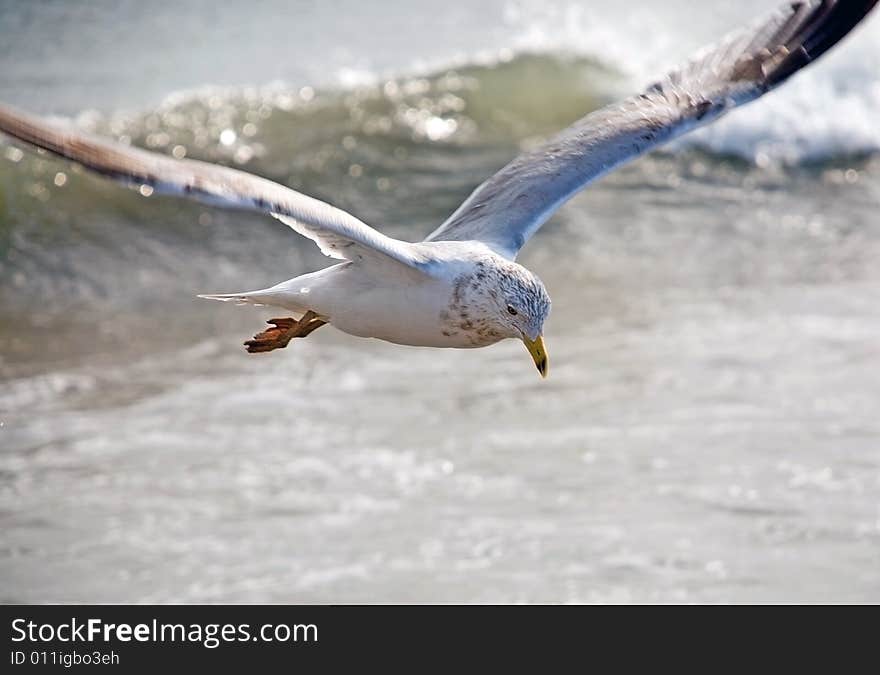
(827, 24)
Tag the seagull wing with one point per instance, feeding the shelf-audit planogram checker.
(338, 234)
(509, 208)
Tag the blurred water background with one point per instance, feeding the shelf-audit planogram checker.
(710, 428)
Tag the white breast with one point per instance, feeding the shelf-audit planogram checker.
(407, 309)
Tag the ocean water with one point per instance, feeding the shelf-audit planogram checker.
(709, 432)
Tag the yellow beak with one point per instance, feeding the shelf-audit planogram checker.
(538, 352)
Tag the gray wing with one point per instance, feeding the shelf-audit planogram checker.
(337, 233)
(508, 208)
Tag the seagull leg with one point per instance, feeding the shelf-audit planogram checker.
(282, 332)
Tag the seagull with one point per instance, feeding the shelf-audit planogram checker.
(461, 287)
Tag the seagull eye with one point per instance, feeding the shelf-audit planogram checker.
(511, 311)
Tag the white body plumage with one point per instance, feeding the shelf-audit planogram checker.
(453, 300)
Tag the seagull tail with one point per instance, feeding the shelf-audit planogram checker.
(277, 296)
(245, 298)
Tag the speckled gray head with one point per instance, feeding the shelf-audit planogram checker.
(500, 299)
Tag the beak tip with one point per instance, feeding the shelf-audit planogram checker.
(539, 354)
(542, 368)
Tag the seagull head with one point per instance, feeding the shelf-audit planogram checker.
(494, 298)
(521, 305)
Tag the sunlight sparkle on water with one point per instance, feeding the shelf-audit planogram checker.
(227, 137)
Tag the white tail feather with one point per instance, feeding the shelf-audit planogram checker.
(246, 298)
(277, 296)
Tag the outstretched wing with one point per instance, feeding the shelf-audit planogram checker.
(338, 234)
(510, 207)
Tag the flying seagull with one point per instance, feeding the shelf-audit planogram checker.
(461, 287)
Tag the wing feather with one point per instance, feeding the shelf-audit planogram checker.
(338, 234)
(508, 208)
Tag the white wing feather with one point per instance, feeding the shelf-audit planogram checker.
(338, 234)
(508, 208)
